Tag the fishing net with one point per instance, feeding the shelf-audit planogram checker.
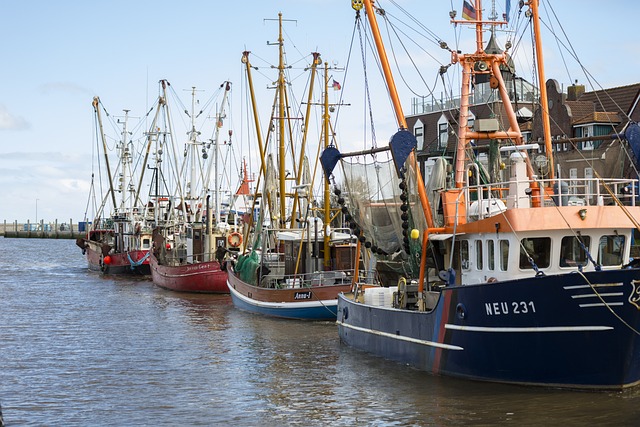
(386, 208)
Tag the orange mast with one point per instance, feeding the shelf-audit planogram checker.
(393, 93)
(544, 102)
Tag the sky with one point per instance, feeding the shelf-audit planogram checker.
(56, 56)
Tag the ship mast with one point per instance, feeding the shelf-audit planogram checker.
(281, 120)
(544, 101)
(481, 62)
(96, 103)
(314, 65)
(216, 150)
(125, 159)
(395, 99)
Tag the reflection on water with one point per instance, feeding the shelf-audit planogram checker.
(81, 349)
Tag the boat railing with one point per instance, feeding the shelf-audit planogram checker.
(485, 200)
(179, 256)
(308, 280)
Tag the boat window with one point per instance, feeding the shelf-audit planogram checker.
(479, 255)
(504, 254)
(491, 255)
(610, 250)
(538, 248)
(146, 243)
(571, 252)
(464, 254)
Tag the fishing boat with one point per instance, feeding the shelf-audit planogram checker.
(193, 236)
(119, 238)
(529, 287)
(295, 265)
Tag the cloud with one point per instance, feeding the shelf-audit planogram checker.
(10, 122)
(65, 87)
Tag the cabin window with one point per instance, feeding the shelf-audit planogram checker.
(491, 256)
(504, 255)
(536, 248)
(464, 254)
(146, 243)
(479, 264)
(610, 250)
(571, 252)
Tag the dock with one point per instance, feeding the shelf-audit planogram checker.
(43, 230)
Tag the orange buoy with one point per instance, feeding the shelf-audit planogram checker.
(107, 260)
(234, 239)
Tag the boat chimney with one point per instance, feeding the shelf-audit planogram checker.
(575, 91)
(519, 188)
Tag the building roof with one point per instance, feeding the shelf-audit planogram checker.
(599, 117)
(618, 99)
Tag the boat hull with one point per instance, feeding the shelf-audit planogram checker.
(305, 303)
(132, 262)
(203, 277)
(549, 331)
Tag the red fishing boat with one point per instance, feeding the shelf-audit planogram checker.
(195, 236)
(119, 238)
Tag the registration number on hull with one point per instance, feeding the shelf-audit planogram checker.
(514, 307)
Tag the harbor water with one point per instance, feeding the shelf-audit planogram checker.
(80, 349)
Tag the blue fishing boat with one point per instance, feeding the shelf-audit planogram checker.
(531, 287)
(295, 264)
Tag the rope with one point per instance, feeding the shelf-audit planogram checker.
(135, 264)
(635, 331)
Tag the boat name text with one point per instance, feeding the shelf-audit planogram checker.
(504, 307)
(302, 295)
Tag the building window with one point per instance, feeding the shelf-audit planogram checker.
(418, 132)
(587, 145)
(443, 135)
(573, 180)
(588, 179)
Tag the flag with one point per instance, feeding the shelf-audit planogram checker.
(468, 11)
(335, 85)
(508, 10)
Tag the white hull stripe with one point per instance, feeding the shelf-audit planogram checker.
(528, 329)
(401, 338)
(599, 304)
(603, 285)
(611, 294)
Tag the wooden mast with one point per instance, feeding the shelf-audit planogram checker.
(314, 65)
(327, 204)
(281, 113)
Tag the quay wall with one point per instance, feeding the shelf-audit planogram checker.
(43, 229)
